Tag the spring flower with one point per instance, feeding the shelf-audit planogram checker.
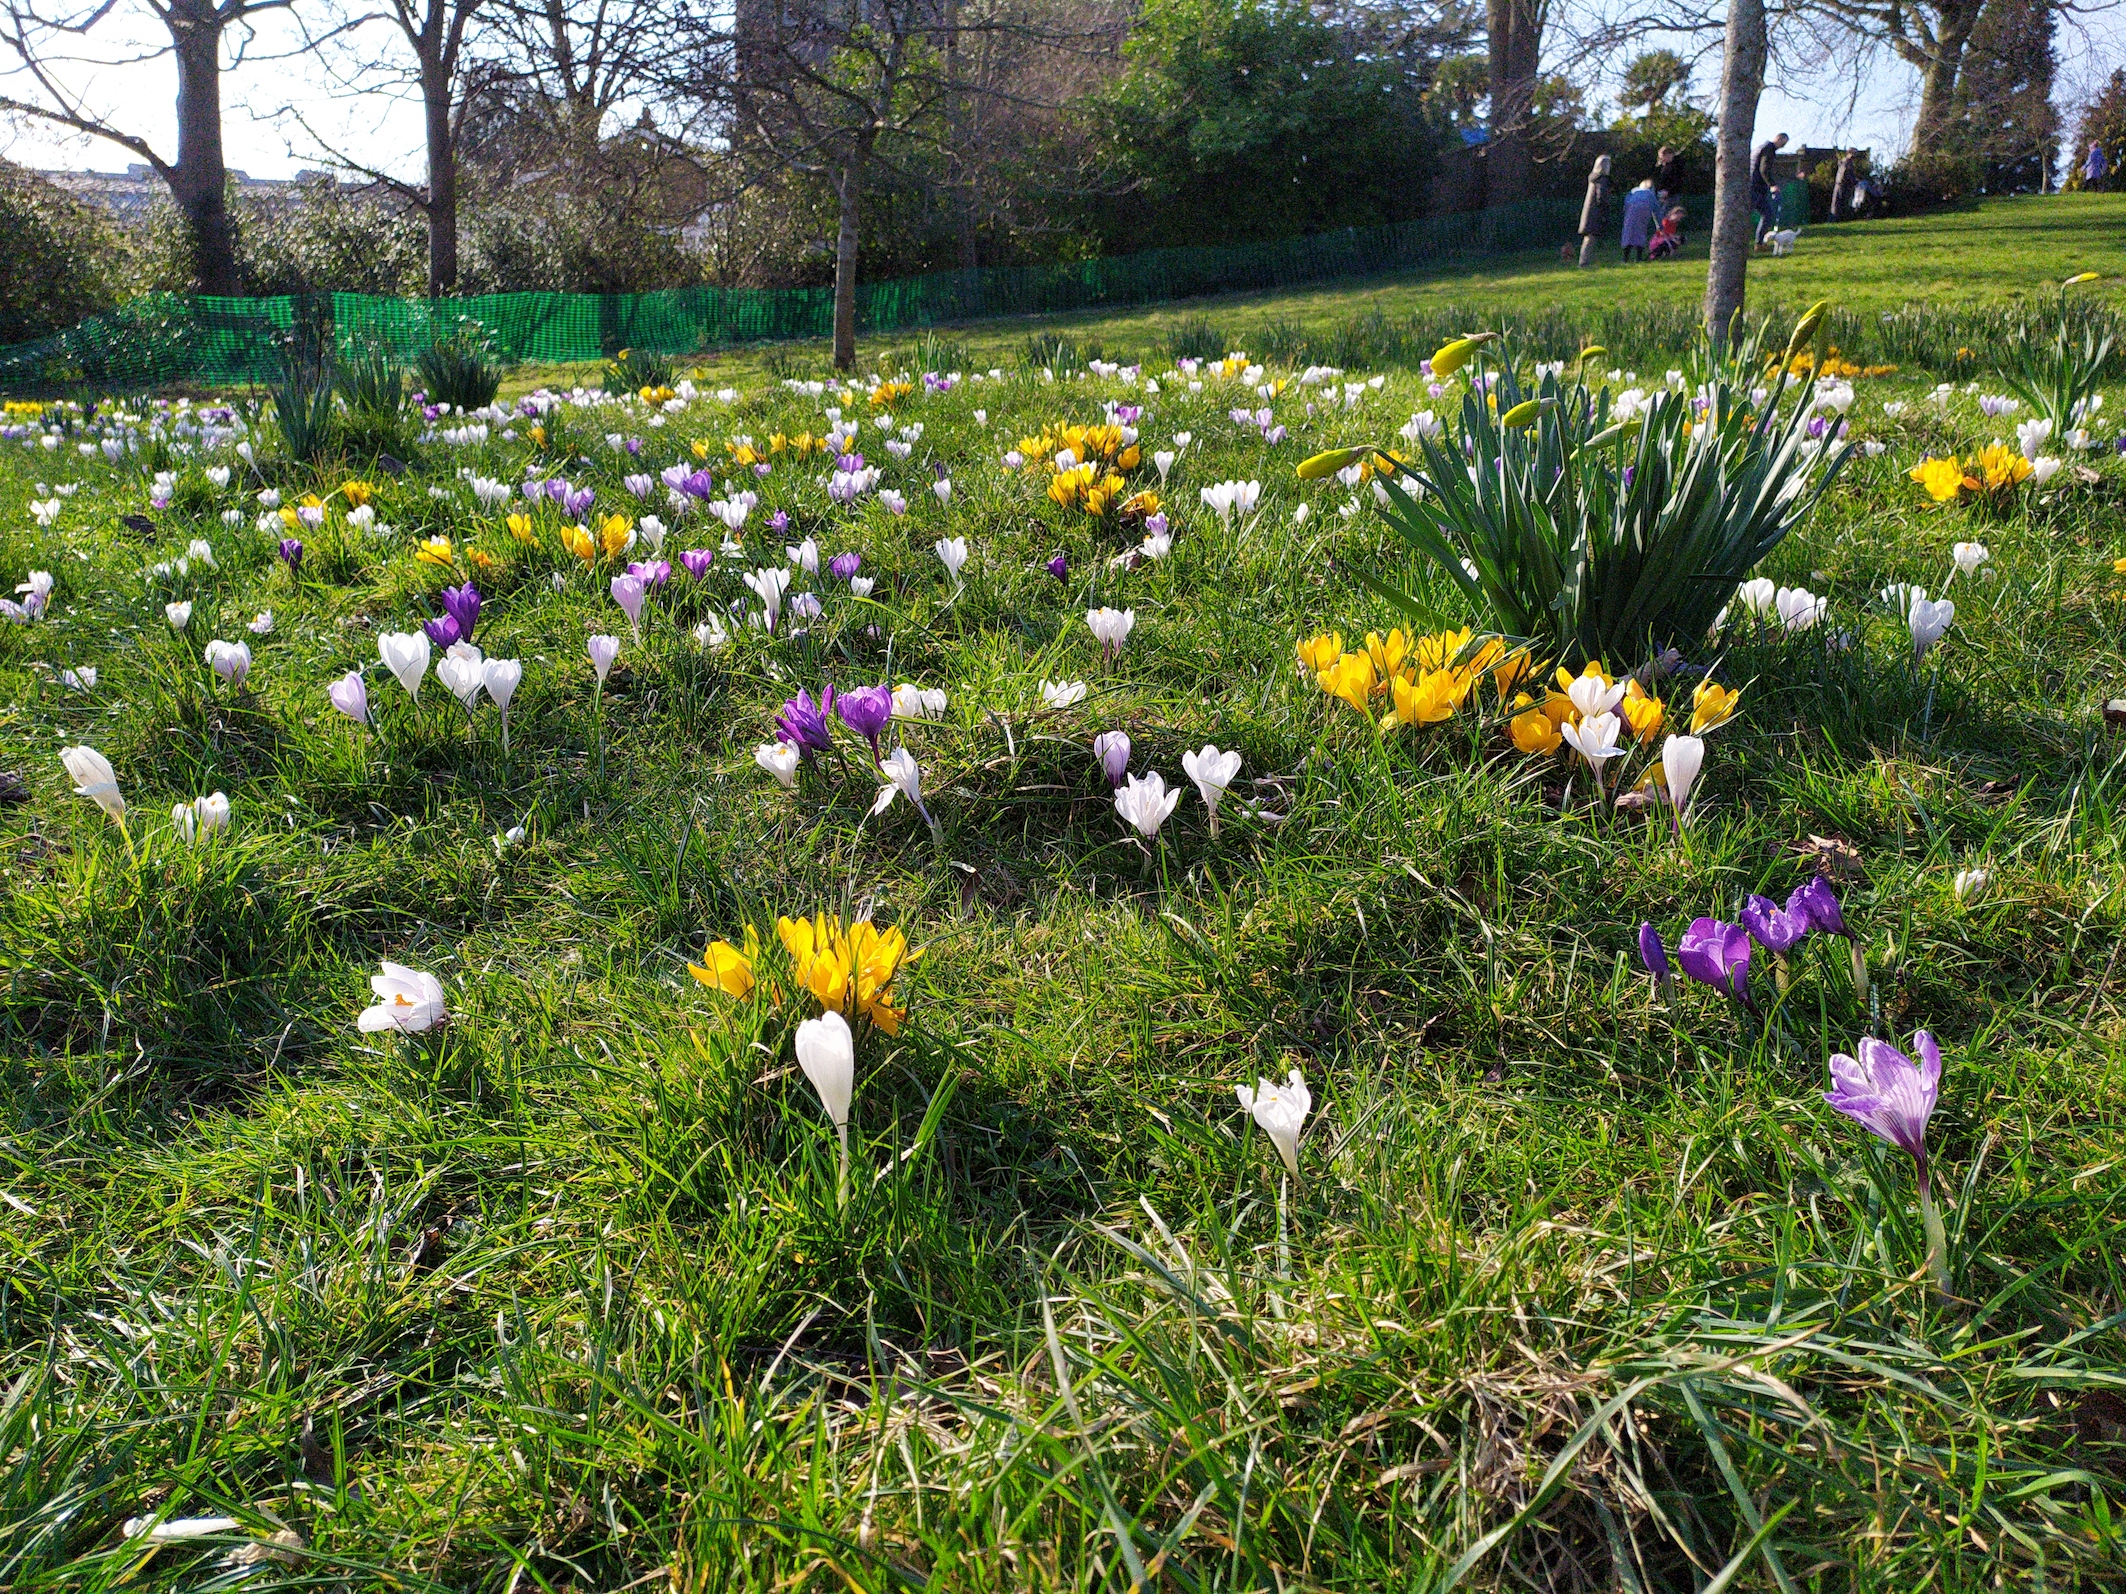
(912, 702)
(696, 561)
(500, 677)
(1775, 929)
(462, 604)
(1145, 803)
(292, 554)
(903, 778)
(1532, 730)
(1681, 759)
(178, 614)
(866, 711)
(1212, 771)
(603, 650)
(628, 592)
(1318, 653)
(1280, 1111)
(261, 623)
(844, 565)
(848, 972)
(826, 1051)
(780, 760)
(769, 583)
(726, 968)
(405, 655)
(229, 660)
(1654, 956)
(1062, 694)
(201, 816)
(710, 635)
(1111, 748)
(1642, 712)
(1112, 627)
(1717, 954)
(1595, 740)
(952, 553)
(804, 723)
(350, 695)
(407, 1001)
(1593, 694)
(1712, 704)
(1798, 608)
(1969, 556)
(1351, 679)
(94, 779)
(1059, 567)
(460, 672)
(1929, 622)
(1893, 1098)
(1970, 883)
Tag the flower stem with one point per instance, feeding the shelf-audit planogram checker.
(841, 1179)
(1937, 1237)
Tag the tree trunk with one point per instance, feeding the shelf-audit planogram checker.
(1513, 43)
(1741, 85)
(1939, 71)
(959, 186)
(850, 190)
(442, 180)
(199, 182)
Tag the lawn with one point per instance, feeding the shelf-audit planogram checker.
(1579, 1282)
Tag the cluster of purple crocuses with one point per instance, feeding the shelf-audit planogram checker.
(461, 612)
(695, 484)
(1716, 953)
(573, 500)
(867, 710)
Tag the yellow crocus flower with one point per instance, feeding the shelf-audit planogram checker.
(1712, 704)
(520, 527)
(1317, 653)
(436, 551)
(1943, 479)
(578, 542)
(1441, 648)
(1999, 467)
(1642, 713)
(613, 534)
(538, 435)
(481, 560)
(723, 967)
(1532, 730)
(357, 493)
(1427, 699)
(1350, 678)
(1387, 652)
(701, 448)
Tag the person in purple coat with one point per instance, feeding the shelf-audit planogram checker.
(1639, 218)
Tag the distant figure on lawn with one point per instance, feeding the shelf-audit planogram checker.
(1764, 185)
(1668, 173)
(1668, 239)
(1594, 209)
(1640, 206)
(2095, 168)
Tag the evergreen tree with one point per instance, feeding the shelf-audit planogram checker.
(2006, 117)
(2104, 123)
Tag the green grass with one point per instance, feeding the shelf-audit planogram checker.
(1579, 1290)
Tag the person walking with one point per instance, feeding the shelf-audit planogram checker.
(1668, 174)
(1594, 210)
(1764, 185)
(1842, 186)
(2094, 167)
(1641, 208)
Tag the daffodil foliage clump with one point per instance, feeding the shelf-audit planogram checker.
(757, 983)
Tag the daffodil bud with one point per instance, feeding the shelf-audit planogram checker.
(1527, 412)
(1336, 459)
(1453, 356)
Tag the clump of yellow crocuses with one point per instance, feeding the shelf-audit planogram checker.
(847, 971)
(1421, 680)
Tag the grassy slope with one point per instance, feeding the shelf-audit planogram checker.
(642, 1341)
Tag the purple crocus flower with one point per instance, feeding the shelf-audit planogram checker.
(578, 500)
(844, 565)
(1155, 524)
(1716, 953)
(697, 561)
(442, 631)
(654, 573)
(1059, 567)
(1655, 956)
(1814, 900)
(1776, 930)
(803, 723)
(462, 604)
(1889, 1095)
(699, 484)
(292, 554)
(867, 711)
(634, 447)
(779, 522)
(1112, 749)
(557, 489)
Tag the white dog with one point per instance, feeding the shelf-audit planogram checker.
(1782, 241)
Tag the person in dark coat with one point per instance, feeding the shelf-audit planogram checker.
(1594, 209)
(1668, 174)
(1842, 187)
(1764, 185)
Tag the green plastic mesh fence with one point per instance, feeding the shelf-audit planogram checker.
(164, 339)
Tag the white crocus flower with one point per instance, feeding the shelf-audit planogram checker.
(1595, 740)
(1929, 622)
(912, 702)
(1969, 556)
(461, 670)
(261, 623)
(769, 583)
(779, 759)
(1970, 883)
(407, 1001)
(1759, 597)
(1112, 627)
(952, 553)
(826, 1051)
(229, 660)
(1212, 771)
(94, 779)
(1145, 803)
(201, 817)
(2031, 436)
(1681, 759)
(1280, 1111)
(178, 614)
(1591, 699)
(710, 636)
(1164, 459)
(1062, 694)
(2043, 469)
(603, 650)
(405, 655)
(1798, 608)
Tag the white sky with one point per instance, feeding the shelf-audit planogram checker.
(382, 127)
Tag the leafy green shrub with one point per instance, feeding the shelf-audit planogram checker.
(632, 370)
(1058, 353)
(61, 264)
(2058, 380)
(1594, 535)
(460, 370)
(1198, 337)
(302, 400)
